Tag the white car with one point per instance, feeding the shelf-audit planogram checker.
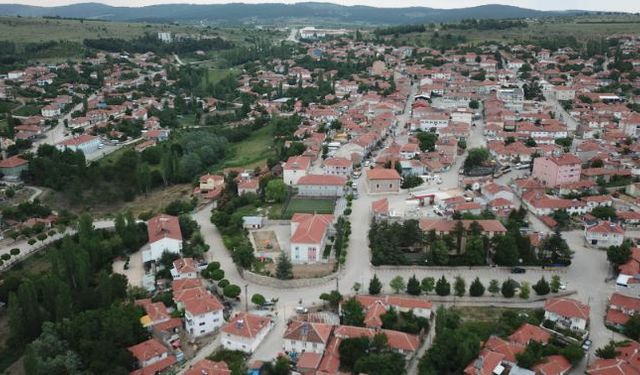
(302, 310)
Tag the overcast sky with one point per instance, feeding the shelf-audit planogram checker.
(611, 5)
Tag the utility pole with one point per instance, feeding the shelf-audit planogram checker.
(246, 297)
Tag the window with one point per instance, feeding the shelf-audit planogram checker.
(201, 324)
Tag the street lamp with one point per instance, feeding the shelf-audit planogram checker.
(246, 297)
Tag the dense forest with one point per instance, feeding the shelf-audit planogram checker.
(75, 317)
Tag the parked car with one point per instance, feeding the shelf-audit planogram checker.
(518, 270)
(302, 310)
(586, 345)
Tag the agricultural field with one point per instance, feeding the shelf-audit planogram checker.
(582, 28)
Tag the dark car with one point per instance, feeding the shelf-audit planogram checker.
(518, 270)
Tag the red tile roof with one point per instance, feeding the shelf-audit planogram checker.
(185, 265)
(201, 305)
(486, 362)
(567, 307)
(246, 325)
(446, 226)
(147, 350)
(321, 179)
(380, 206)
(338, 162)
(207, 367)
(382, 174)
(311, 227)
(528, 332)
(395, 339)
(12, 162)
(156, 367)
(163, 226)
(508, 349)
(308, 331)
(606, 227)
(76, 141)
(553, 365)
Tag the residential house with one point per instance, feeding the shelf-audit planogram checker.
(251, 185)
(626, 362)
(294, 168)
(152, 357)
(208, 367)
(184, 268)
(253, 222)
(210, 182)
(604, 234)
(621, 308)
(245, 332)
(306, 337)
(553, 365)
(567, 312)
(489, 228)
(337, 166)
(164, 235)
(202, 314)
(13, 166)
(309, 237)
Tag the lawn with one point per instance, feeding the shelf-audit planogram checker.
(320, 206)
(252, 152)
(27, 110)
(489, 314)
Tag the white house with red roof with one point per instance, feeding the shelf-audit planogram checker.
(208, 367)
(13, 166)
(50, 111)
(294, 168)
(309, 234)
(152, 357)
(604, 234)
(164, 235)
(245, 332)
(202, 314)
(302, 336)
(318, 185)
(567, 312)
(184, 268)
(210, 182)
(337, 166)
(84, 142)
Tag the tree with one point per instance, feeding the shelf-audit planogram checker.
(413, 286)
(475, 158)
(284, 269)
(474, 104)
(216, 275)
(385, 363)
(352, 349)
(525, 290)
(632, 327)
(555, 283)
(608, 351)
(375, 286)
(542, 287)
(276, 191)
(333, 298)
(397, 284)
(619, 255)
(506, 251)
(352, 313)
(508, 288)
(440, 253)
(428, 284)
(231, 291)
(474, 251)
(494, 287)
(258, 300)
(459, 286)
(476, 289)
(443, 288)
(48, 354)
(604, 212)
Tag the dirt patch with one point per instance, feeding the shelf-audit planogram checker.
(266, 241)
(305, 271)
(155, 202)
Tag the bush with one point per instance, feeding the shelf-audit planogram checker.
(223, 283)
(41, 236)
(541, 287)
(14, 251)
(5, 257)
(1, 263)
(508, 289)
(51, 233)
(476, 289)
(216, 275)
(231, 291)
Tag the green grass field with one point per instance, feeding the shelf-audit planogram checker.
(251, 152)
(319, 206)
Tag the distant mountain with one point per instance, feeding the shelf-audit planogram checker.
(277, 13)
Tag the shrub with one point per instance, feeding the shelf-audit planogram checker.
(15, 251)
(5, 257)
(216, 275)
(31, 241)
(223, 283)
(231, 291)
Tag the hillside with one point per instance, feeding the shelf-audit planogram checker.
(274, 13)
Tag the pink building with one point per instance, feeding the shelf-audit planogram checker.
(554, 171)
